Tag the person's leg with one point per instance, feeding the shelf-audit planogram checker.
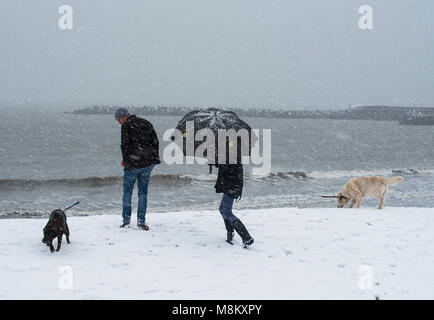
(226, 208)
(244, 234)
(227, 215)
(226, 211)
(143, 193)
(129, 180)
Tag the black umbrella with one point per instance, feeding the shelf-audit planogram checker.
(215, 119)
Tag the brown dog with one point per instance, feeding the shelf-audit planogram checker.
(358, 188)
(55, 228)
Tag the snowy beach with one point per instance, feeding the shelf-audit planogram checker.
(316, 253)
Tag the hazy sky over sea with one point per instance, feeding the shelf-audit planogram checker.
(244, 53)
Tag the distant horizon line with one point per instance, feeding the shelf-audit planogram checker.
(71, 108)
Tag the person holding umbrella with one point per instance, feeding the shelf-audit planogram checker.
(230, 183)
(140, 153)
(230, 174)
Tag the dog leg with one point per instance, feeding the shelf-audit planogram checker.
(381, 197)
(51, 246)
(67, 234)
(359, 202)
(353, 202)
(380, 205)
(59, 242)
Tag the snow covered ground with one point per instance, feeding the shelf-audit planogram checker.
(298, 254)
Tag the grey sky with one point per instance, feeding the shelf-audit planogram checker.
(243, 53)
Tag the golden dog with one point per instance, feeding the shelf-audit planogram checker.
(358, 188)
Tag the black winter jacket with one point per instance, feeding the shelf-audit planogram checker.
(139, 143)
(230, 180)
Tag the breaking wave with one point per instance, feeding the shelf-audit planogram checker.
(170, 179)
(28, 184)
(359, 173)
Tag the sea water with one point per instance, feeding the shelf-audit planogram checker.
(50, 159)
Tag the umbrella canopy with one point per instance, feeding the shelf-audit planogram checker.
(219, 123)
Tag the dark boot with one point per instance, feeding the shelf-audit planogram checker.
(125, 225)
(244, 234)
(230, 231)
(143, 226)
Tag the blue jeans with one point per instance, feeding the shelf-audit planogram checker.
(226, 208)
(130, 177)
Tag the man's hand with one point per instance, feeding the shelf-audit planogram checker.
(122, 163)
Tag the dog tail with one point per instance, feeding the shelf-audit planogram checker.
(394, 180)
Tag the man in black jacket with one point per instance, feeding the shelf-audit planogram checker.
(230, 183)
(140, 153)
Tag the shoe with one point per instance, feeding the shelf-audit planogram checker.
(125, 225)
(248, 243)
(244, 234)
(143, 226)
(230, 231)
